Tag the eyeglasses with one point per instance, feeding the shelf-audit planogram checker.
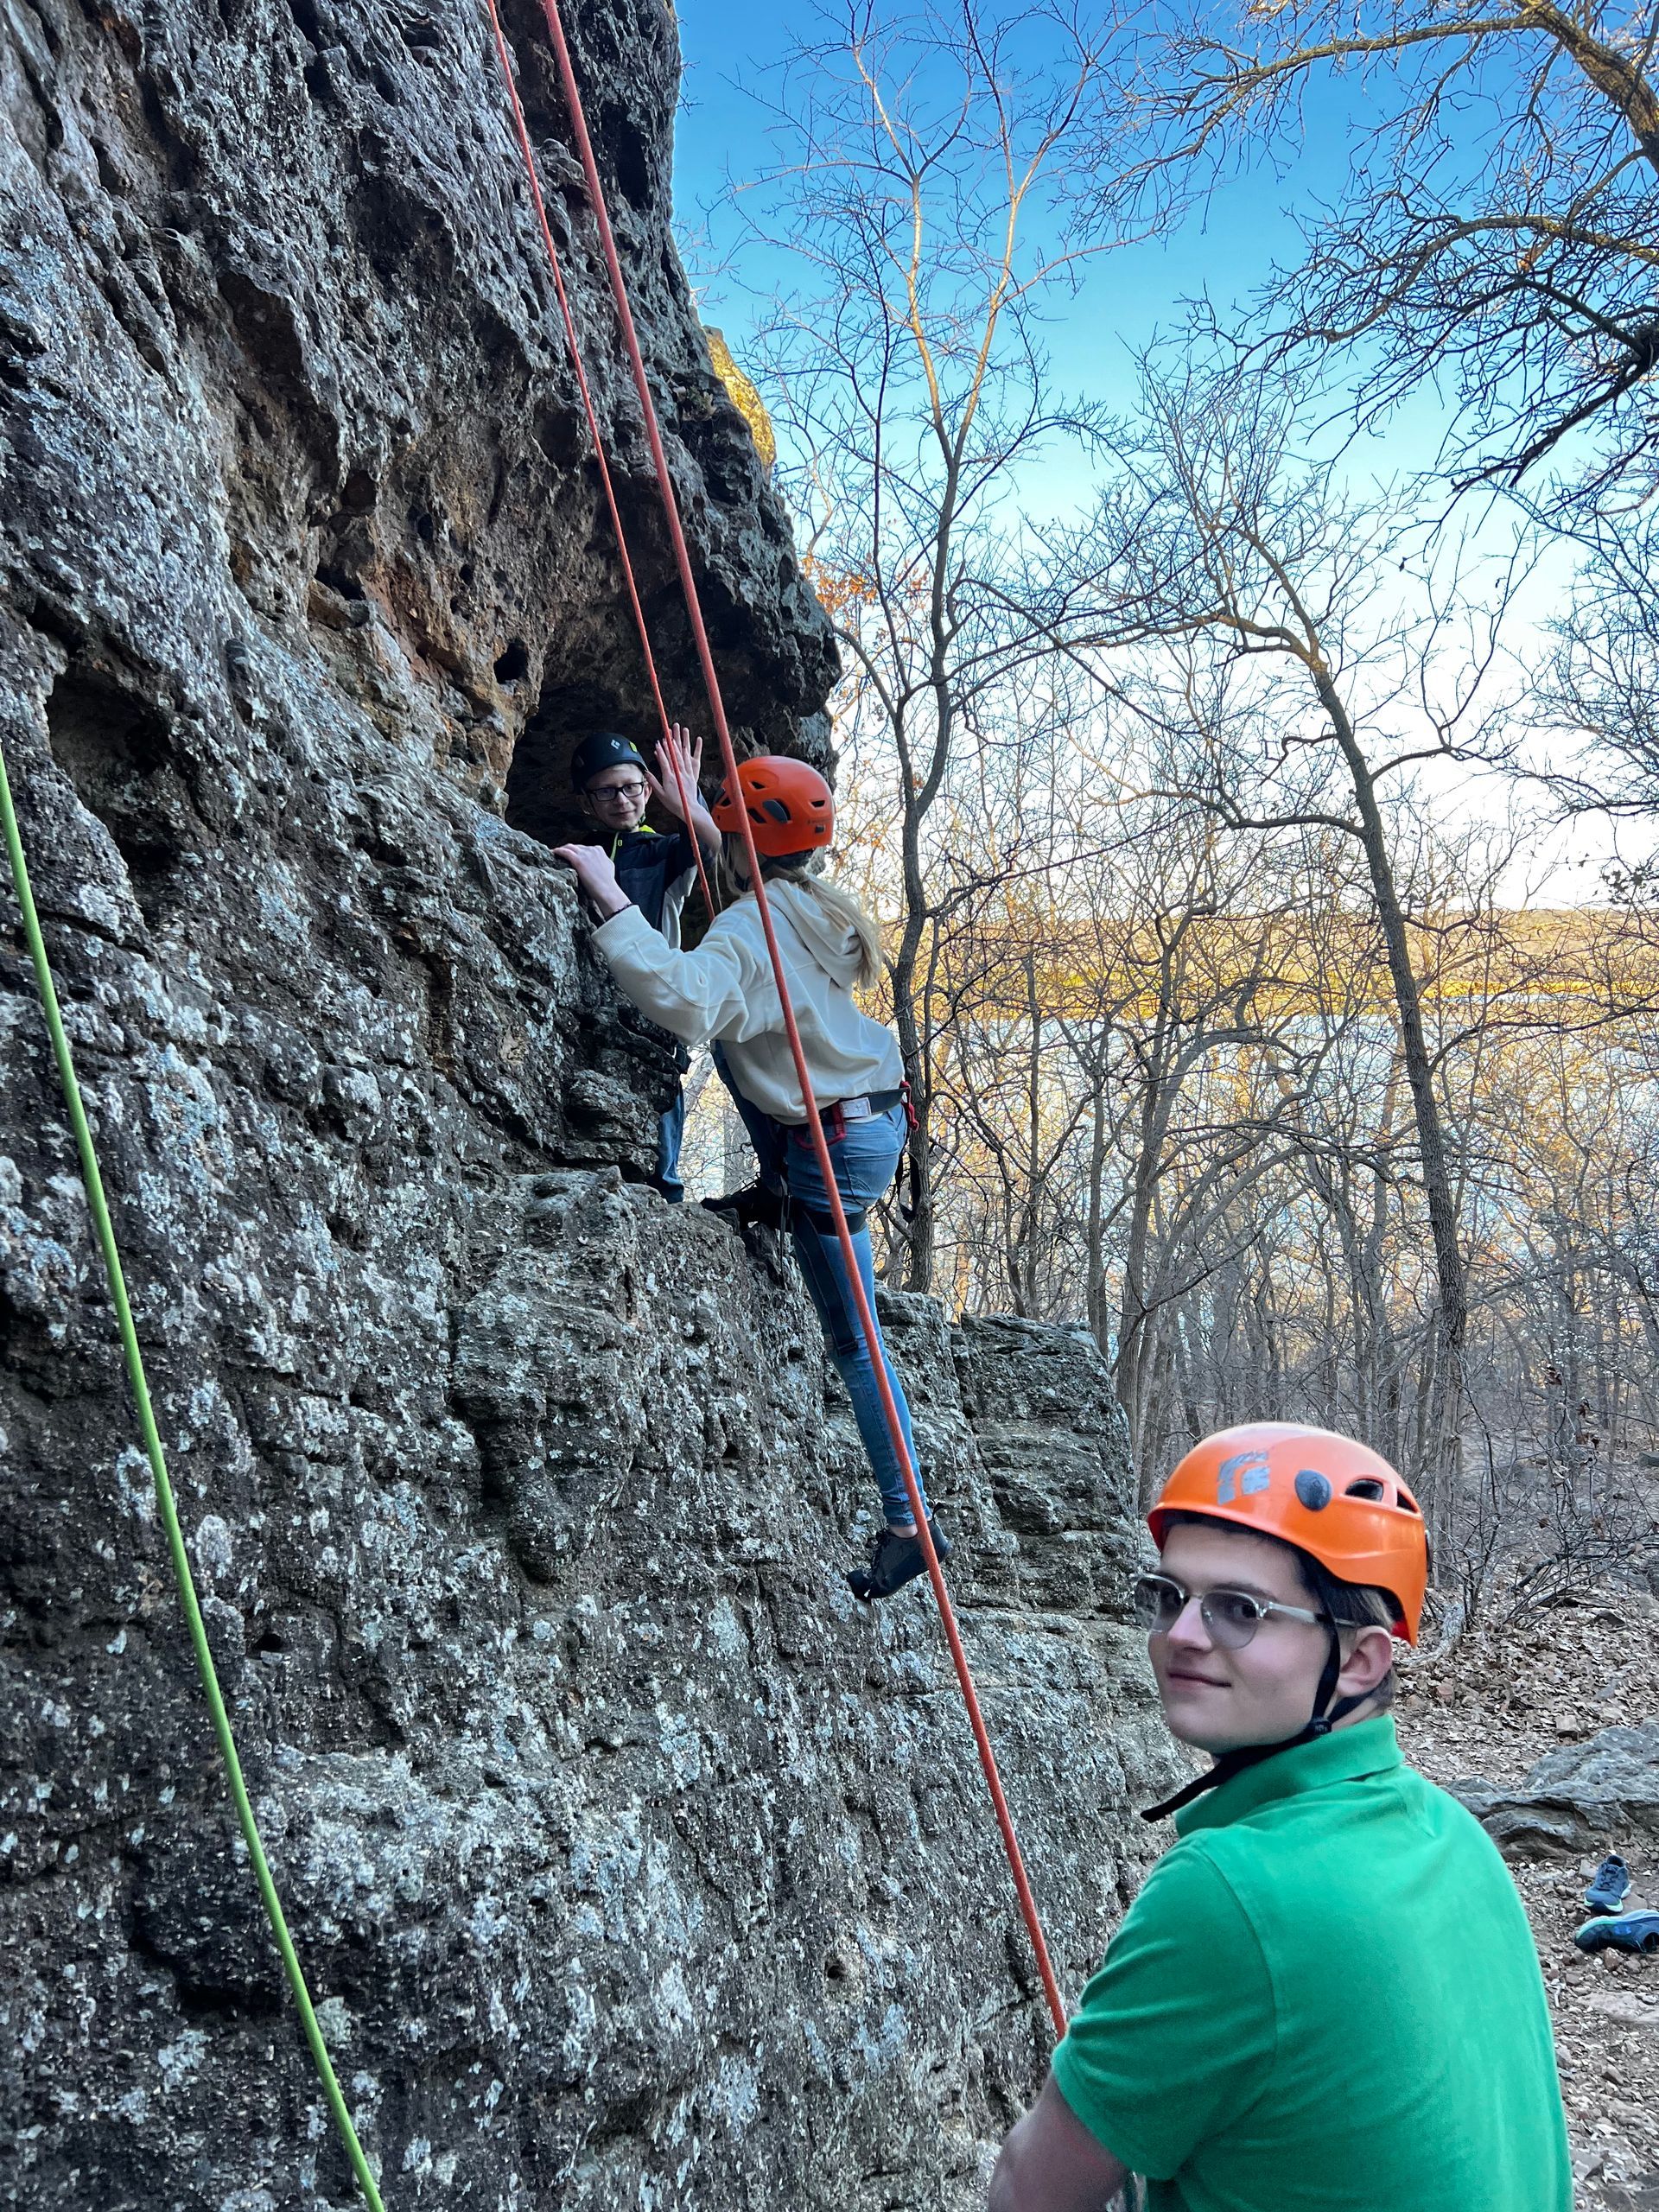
(1232, 1617)
(630, 790)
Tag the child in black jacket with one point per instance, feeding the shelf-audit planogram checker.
(657, 871)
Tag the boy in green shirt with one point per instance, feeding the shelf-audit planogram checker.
(1326, 1997)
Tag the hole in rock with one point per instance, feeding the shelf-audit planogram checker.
(392, 227)
(622, 140)
(117, 749)
(110, 174)
(309, 23)
(561, 434)
(338, 580)
(200, 2001)
(539, 798)
(513, 665)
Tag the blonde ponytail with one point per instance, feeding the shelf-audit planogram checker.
(841, 906)
(837, 905)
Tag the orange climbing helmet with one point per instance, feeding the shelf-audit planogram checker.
(1338, 1501)
(790, 806)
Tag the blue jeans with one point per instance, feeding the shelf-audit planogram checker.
(864, 1159)
(669, 1131)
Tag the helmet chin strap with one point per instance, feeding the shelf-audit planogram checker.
(1323, 1719)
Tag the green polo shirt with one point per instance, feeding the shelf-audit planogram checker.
(1325, 1996)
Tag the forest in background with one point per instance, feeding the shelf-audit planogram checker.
(1207, 756)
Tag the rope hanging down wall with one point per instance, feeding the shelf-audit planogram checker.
(573, 344)
(717, 710)
(98, 1205)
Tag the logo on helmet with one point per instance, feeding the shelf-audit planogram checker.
(1246, 1471)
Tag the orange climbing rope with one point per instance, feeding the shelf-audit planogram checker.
(574, 344)
(717, 708)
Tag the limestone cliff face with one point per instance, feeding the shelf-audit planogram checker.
(636, 1867)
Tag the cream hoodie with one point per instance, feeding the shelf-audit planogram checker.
(725, 989)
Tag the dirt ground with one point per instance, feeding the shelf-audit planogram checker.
(1496, 1703)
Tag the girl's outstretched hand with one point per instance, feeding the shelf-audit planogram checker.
(596, 875)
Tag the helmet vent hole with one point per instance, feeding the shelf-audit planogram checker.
(776, 809)
(1368, 1486)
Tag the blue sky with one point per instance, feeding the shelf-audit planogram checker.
(1226, 247)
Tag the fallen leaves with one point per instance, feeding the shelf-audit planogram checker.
(1496, 1702)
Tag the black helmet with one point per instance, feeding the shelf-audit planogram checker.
(603, 750)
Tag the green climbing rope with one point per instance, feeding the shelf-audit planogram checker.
(99, 1207)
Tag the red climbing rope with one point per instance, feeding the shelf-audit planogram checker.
(574, 346)
(717, 708)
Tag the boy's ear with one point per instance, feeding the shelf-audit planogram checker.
(1367, 1662)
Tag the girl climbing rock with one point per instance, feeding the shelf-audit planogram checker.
(725, 991)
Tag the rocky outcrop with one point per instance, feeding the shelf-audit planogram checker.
(1573, 1798)
(632, 1863)
(286, 399)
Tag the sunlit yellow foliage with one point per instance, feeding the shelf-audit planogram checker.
(744, 394)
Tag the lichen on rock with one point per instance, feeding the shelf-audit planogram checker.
(631, 1863)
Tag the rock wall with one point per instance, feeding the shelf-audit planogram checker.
(636, 1867)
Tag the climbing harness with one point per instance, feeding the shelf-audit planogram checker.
(573, 344)
(98, 1206)
(729, 755)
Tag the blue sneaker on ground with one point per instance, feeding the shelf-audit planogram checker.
(1607, 1892)
(1630, 1931)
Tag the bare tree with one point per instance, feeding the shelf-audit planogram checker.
(922, 160)
(1307, 691)
(1214, 1061)
(1599, 689)
(1499, 225)
(1171, 1100)
(1222, 1039)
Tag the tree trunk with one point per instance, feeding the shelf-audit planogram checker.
(916, 1195)
(1097, 1309)
(1443, 1445)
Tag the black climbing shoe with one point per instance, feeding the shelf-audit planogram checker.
(894, 1561)
(756, 1207)
(1606, 1892)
